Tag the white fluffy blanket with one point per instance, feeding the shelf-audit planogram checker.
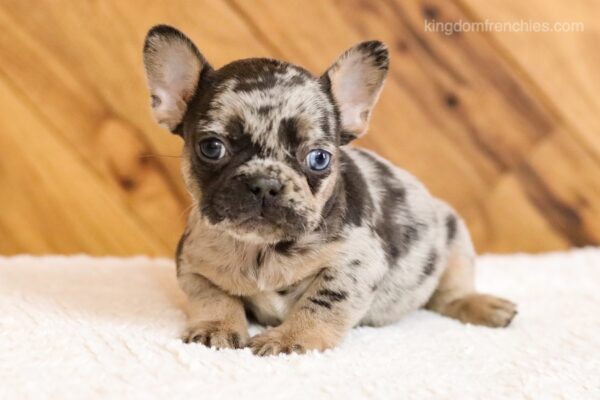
(83, 328)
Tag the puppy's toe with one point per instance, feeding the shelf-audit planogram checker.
(273, 342)
(215, 334)
(267, 349)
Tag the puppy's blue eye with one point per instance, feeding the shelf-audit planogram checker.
(318, 160)
(212, 148)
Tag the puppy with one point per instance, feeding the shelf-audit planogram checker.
(290, 225)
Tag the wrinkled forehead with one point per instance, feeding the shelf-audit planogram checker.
(278, 105)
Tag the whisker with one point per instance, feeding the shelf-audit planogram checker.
(187, 209)
(158, 155)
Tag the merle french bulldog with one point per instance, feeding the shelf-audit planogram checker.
(290, 225)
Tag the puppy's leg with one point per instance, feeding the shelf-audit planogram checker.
(216, 319)
(455, 296)
(319, 320)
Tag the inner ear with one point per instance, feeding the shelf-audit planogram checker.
(355, 81)
(173, 67)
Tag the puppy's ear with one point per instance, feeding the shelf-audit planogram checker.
(355, 81)
(173, 69)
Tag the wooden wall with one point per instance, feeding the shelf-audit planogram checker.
(505, 126)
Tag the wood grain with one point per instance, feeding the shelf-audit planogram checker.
(503, 126)
(563, 66)
(51, 200)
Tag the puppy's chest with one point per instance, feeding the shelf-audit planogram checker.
(269, 283)
(256, 271)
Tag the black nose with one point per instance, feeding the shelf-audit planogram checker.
(265, 187)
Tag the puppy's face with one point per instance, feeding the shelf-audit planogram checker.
(261, 147)
(261, 136)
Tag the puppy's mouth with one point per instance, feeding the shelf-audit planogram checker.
(267, 224)
(264, 220)
(255, 220)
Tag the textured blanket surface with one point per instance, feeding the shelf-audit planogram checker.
(84, 328)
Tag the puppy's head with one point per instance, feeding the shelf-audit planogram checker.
(261, 136)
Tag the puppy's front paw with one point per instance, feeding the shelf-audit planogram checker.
(216, 334)
(278, 340)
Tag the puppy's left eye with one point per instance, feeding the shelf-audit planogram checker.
(318, 159)
(212, 149)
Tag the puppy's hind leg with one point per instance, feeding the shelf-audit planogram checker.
(455, 296)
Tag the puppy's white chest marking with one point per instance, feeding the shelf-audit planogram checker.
(270, 308)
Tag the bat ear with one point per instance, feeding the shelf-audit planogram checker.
(173, 67)
(355, 81)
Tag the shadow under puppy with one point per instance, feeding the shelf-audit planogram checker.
(291, 225)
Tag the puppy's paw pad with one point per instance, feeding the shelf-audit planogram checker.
(215, 334)
(481, 309)
(272, 342)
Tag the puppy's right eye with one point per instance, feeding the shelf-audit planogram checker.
(211, 149)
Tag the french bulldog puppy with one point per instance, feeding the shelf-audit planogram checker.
(290, 225)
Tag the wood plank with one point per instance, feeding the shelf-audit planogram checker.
(50, 201)
(563, 66)
(549, 202)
